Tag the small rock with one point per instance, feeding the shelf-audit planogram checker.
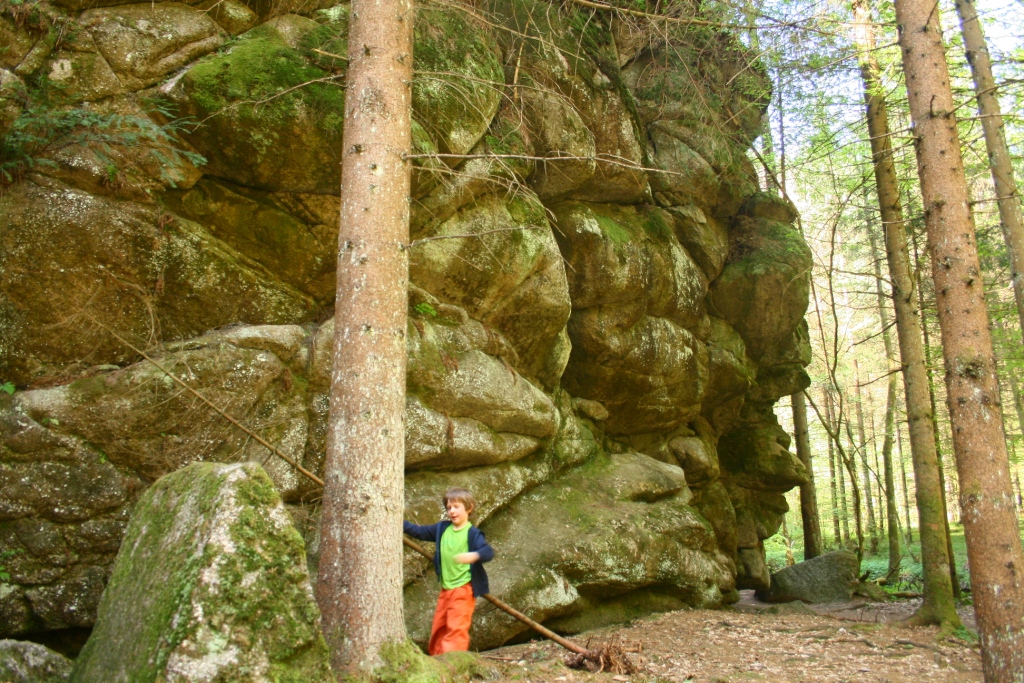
(24, 662)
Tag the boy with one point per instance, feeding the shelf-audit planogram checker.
(459, 554)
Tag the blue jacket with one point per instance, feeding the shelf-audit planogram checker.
(477, 544)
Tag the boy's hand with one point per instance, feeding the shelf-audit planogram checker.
(466, 558)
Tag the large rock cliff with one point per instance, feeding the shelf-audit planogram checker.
(604, 307)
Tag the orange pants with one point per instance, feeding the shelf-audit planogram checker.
(452, 618)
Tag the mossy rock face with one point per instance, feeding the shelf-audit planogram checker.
(24, 662)
(764, 288)
(67, 253)
(755, 453)
(637, 310)
(291, 142)
(259, 225)
(577, 549)
(211, 581)
(512, 266)
(142, 43)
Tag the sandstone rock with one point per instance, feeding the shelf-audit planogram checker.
(83, 75)
(144, 42)
(24, 662)
(831, 577)
(687, 178)
(512, 266)
(127, 266)
(211, 579)
(756, 454)
(231, 15)
(705, 239)
(19, 42)
(647, 371)
(11, 89)
(763, 290)
(257, 225)
(620, 155)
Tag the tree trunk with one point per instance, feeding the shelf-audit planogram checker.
(979, 444)
(808, 494)
(906, 489)
(834, 432)
(995, 143)
(937, 605)
(890, 413)
(862, 448)
(837, 535)
(359, 587)
(953, 576)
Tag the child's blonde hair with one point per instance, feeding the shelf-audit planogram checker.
(462, 496)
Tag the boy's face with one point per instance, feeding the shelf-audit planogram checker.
(457, 512)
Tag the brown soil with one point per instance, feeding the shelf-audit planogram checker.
(753, 641)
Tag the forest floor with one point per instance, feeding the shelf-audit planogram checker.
(753, 641)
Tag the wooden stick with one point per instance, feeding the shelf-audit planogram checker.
(546, 632)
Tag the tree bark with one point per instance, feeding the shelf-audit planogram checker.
(893, 532)
(359, 587)
(953, 576)
(808, 493)
(837, 535)
(862, 448)
(979, 444)
(937, 605)
(1007, 198)
(906, 489)
(834, 430)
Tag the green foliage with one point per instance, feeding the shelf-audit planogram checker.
(47, 125)
(7, 388)
(424, 308)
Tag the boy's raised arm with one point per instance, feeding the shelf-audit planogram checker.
(422, 532)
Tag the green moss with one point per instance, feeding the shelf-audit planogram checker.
(260, 67)
(613, 230)
(406, 663)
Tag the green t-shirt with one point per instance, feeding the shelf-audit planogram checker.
(454, 542)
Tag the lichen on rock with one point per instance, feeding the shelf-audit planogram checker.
(210, 584)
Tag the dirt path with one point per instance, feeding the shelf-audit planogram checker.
(756, 642)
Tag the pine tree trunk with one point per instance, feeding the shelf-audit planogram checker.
(359, 587)
(1000, 164)
(906, 488)
(938, 605)
(862, 448)
(953, 576)
(837, 535)
(890, 414)
(834, 430)
(979, 444)
(808, 493)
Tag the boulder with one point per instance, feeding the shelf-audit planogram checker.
(24, 662)
(831, 577)
(143, 43)
(211, 582)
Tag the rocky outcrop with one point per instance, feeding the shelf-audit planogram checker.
(603, 310)
(211, 584)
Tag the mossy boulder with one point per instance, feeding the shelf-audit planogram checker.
(831, 577)
(756, 453)
(24, 662)
(211, 583)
